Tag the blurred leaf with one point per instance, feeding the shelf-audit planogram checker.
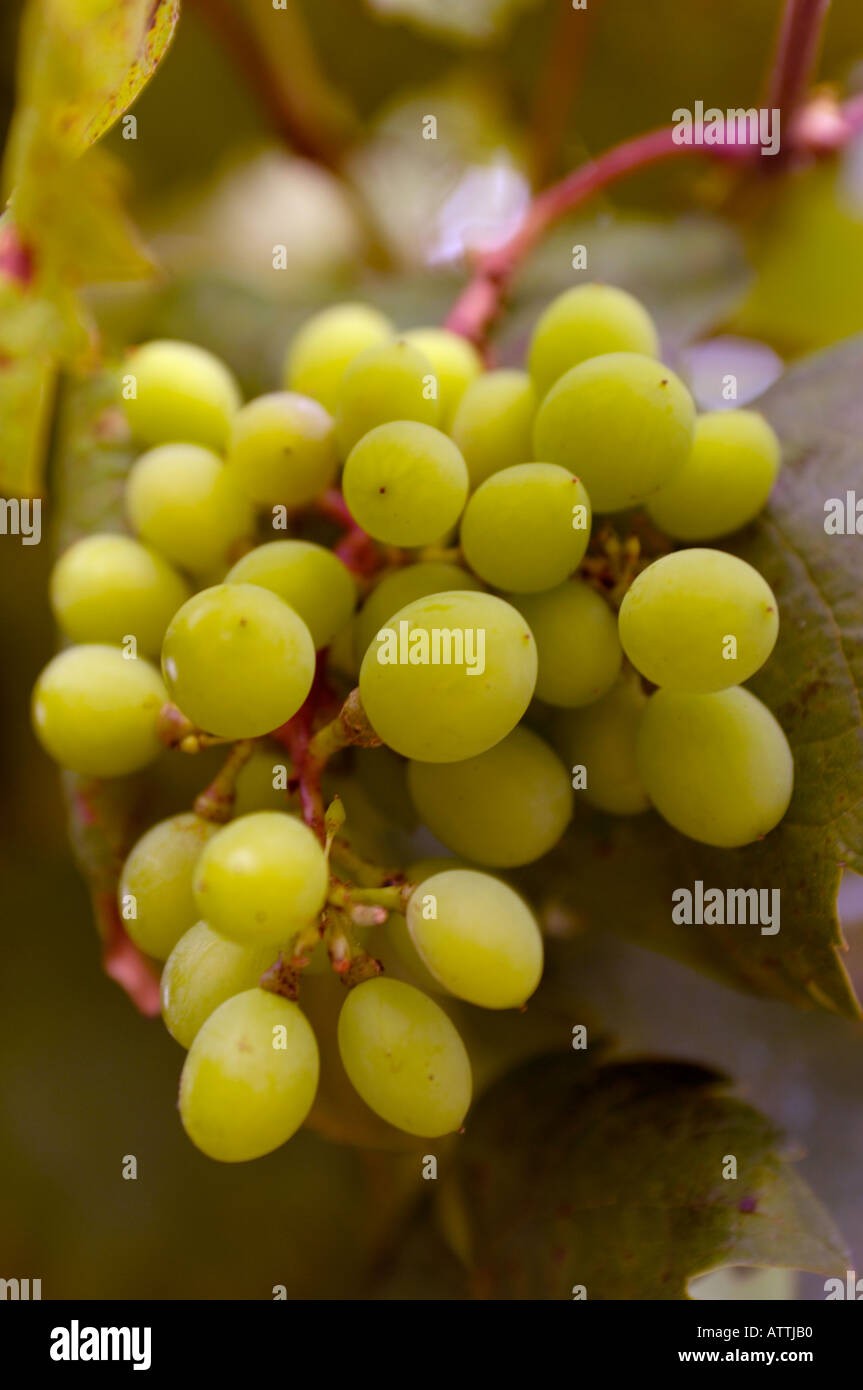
(617, 1184)
(466, 20)
(628, 868)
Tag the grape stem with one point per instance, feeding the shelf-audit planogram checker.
(368, 875)
(216, 802)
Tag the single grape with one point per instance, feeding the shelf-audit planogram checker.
(405, 483)
(261, 879)
(404, 1057)
(725, 481)
(577, 646)
(526, 528)
(155, 897)
(308, 577)
(622, 423)
(96, 711)
(238, 661)
(203, 970)
(507, 806)
(699, 620)
(105, 588)
(717, 767)
(282, 449)
(181, 500)
(183, 394)
(407, 956)
(327, 344)
(455, 362)
(478, 937)
(449, 677)
(392, 381)
(588, 321)
(601, 738)
(402, 587)
(254, 789)
(249, 1078)
(494, 422)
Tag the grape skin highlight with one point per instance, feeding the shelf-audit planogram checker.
(678, 617)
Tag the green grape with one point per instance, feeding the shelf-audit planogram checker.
(622, 423)
(401, 587)
(577, 646)
(407, 956)
(405, 483)
(309, 578)
(96, 711)
(455, 362)
(404, 1057)
(699, 620)
(249, 1078)
(327, 344)
(181, 500)
(494, 422)
(526, 528)
(254, 789)
(282, 449)
(507, 806)
(156, 901)
(478, 937)
(202, 971)
(588, 321)
(451, 676)
(724, 482)
(601, 738)
(238, 661)
(392, 381)
(183, 394)
(716, 767)
(261, 879)
(105, 588)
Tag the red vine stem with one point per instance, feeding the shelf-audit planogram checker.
(795, 55)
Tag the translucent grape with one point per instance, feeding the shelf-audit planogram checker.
(96, 711)
(452, 675)
(716, 767)
(405, 483)
(507, 806)
(699, 620)
(577, 645)
(238, 661)
(622, 423)
(105, 588)
(404, 586)
(202, 971)
(183, 394)
(156, 901)
(407, 956)
(327, 344)
(526, 528)
(282, 449)
(725, 480)
(601, 738)
(182, 501)
(392, 381)
(455, 362)
(584, 322)
(404, 1057)
(308, 577)
(249, 1078)
(261, 879)
(494, 421)
(478, 937)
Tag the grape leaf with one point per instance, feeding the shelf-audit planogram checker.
(627, 869)
(471, 21)
(619, 1184)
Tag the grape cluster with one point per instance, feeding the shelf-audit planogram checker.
(463, 593)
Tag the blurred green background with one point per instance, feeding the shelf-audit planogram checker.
(83, 1080)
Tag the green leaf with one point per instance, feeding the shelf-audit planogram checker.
(627, 869)
(469, 21)
(618, 1185)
